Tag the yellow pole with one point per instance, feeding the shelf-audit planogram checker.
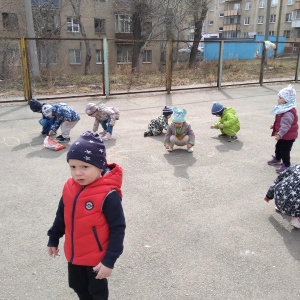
(25, 70)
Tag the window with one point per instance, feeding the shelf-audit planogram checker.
(98, 57)
(221, 15)
(123, 24)
(287, 33)
(290, 2)
(190, 37)
(260, 33)
(274, 3)
(211, 22)
(295, 14)
(212, 8)
(236, 6)
(260, 20)
(261, 4)
(99, 26)
(124, 56)
(231, 34)
(47, 55)
(271, 33)
(72, 25)
(220, 28)
(222, 1)
(272, 18)
(231, 20)
(147, 28)
(247, 5)
(247, 21)
(74, 57)
(288, 17)
(10, 21)
(147, 56)
(298, 33)
(192, 24)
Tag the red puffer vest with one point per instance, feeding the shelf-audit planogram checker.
(292, 132)
(86, 229)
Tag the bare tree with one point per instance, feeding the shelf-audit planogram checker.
(199, 10)
(76, 6)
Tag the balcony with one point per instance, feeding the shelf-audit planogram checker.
(297, 6)
(296, 23)
(126, 36)
(232, 12)
(232, 27)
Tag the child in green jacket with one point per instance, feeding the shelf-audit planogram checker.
(228, 123)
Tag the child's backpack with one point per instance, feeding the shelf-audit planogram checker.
(117, 113)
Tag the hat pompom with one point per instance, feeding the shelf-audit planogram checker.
(35, 105)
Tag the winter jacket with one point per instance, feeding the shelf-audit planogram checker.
(286, 125)
(286, 191)
(186, 129)
(63, 113)
(92, 220)
(104, 113)
(157, 125)
(230, 121)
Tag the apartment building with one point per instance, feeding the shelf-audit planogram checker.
(246, 18)
(61, 31)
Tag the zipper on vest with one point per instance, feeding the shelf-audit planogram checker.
(73, 214)
(97, 238)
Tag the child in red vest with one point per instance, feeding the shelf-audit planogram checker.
(91, 217)
(285, 128)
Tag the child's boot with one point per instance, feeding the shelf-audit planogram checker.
(281, 169)
(232, 138)
(148, 133)
(190, 150)
(274, 161)
(107, 136)
(103, 133)
(295, 222)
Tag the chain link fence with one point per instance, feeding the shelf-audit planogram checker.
(63, 68)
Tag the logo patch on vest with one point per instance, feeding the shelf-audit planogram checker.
(89, 205)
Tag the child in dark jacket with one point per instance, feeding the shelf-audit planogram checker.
(286, 192)
(179, 133)
(157, 125)
(46, 122)
(228, 123)
(285, 128)
(91, 217)
(65, 116)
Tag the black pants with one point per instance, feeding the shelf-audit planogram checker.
(282, 151)
(82, 281)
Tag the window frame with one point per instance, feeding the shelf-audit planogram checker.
(74, 53)
(248, 5)
(123, 23)
(260, 20)
(272, 18)
(98, 55)
(73, 23)
(245, 21)
(145, 57)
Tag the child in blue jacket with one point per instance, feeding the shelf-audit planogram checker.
(65, 116)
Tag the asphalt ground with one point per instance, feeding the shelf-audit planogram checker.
(197, 225)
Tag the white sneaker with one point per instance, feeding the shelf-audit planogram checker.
(104, 132)
(295, 222)
(190, 150)
(107, 136)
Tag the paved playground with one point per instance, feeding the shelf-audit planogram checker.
(197, 225)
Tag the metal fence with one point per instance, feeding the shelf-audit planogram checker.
(64, 68)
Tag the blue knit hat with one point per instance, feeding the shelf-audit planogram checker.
(89, 148)
(179, 115)
(167, 110)
(217, 109)
(35, 105)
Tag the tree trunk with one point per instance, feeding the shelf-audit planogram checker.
(137, 43)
